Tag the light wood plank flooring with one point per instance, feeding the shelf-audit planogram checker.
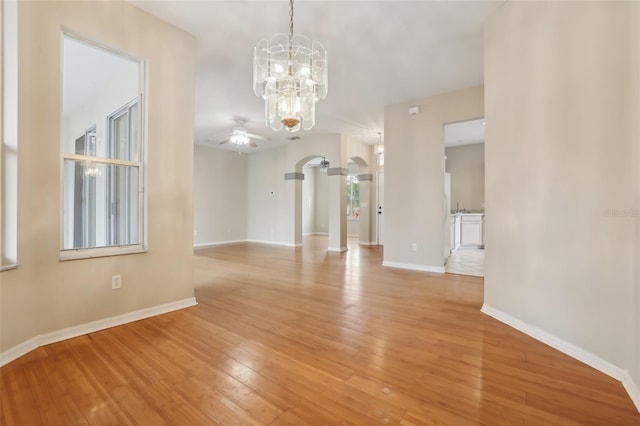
(286, 336)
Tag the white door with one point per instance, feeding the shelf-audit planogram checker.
(380, 207)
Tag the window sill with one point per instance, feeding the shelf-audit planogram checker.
(9, 267)
(90, 253)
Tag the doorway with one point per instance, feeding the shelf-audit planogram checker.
(464, 197)
(380, 207)
(315, 197)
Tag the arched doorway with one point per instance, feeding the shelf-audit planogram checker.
(358, 195)
(315, 197)
(325, 208)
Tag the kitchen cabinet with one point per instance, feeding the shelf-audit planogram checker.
(455, 231)
(467, 231)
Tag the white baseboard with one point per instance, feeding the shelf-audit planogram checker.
(315, 233)
(218, 243)
(271, 243)
(570, 349)
(367, 243)
(413, 267)
(91, 327)
(18, 350)
(633, 389)
(337, 249)
(274, 243)
(353, 235)
(292, 245)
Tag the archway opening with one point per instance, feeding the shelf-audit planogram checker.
(315, 197)
(358, 196)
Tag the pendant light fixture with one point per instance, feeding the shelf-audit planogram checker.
(290, 74)
(324, 165)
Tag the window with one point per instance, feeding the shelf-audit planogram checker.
(102, 145)
(123, 180)
(9, 131)
(353, 197)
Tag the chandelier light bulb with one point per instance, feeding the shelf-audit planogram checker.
(91, 169)
(290, 74)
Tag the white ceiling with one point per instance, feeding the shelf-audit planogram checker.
(380, 53)
(464, 133)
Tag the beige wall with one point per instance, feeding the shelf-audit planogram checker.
(219, 196)
(45, 295)
(466, 165)
(272, 209)
(563, 175)
(266, 196)
(414, 176)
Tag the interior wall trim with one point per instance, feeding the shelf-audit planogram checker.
(414, 267)
(218, 243)
(570, 349)
(91, 327)
(271, 243)
(294, 176)
(338, 171)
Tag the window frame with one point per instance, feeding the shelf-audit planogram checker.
(140, 163)
(9, 133)
(125, 110)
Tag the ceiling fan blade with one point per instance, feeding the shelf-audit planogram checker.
(262, 138)
(223, 142)
(252, 144)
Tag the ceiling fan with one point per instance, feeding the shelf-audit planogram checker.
(323, 164)
(241, 137)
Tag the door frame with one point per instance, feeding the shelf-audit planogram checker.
(378, 216)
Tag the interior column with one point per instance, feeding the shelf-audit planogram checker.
(337, 209)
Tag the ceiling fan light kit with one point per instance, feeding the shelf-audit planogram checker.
(290, 74)
(241, 137)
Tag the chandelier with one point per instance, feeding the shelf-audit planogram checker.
(290, 74)
(91, 169)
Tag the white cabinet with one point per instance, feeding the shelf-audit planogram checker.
(471, 230)
(455, 232)
(467, 231)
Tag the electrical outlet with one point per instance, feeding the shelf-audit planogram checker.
(414, 247)
(116, 282)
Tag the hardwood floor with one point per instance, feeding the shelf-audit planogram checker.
(286, 336)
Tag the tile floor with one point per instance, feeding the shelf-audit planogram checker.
(466, 262)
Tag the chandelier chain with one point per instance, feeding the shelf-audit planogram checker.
(290, 29)
(290, 19)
